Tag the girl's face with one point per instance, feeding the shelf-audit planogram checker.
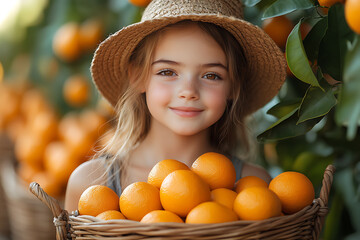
(188, 85)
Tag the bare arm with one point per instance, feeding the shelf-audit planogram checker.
(255, 170)
(87, 174)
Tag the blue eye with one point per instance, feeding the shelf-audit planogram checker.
(212, 76)
(167, 73)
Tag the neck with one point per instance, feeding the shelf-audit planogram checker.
(165, 144)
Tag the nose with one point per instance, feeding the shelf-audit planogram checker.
(188, 89)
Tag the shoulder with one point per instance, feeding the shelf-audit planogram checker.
(87, 174)
(250, 169)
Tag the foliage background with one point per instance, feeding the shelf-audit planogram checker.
(312, 122)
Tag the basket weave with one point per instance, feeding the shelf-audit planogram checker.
(29, 219)
(305, 224)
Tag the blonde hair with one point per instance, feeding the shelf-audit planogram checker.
(133, 116)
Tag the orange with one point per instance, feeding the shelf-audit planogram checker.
(294, 189)
(249, 181)
(32, 103)
(48, 183)
(45, 125)
(257, 203)
(161, 216)
(215, 169)
(76, 90)
(97, 199)
(75, 135)
(1, 73)
(182, 190)
(210, 212)
(29, 149)
(329, 3)
(352, 16)
(66, 44)
(91, 34)
(10, 103)
(278, 28)
(140, 3)
(93, 122)
(164, 168)
(305, 28)
(224, 196)
(110, 214)
(59, 161)
(26, 172)
(138, 199)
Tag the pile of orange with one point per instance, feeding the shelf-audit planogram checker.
(206, 192)
(48, 147)
(73, 39)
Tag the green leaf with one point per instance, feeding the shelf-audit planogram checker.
(313, 39)
(286, 127)
(344, 183)
(297, 59)
(250, 3)
(284, 108)
(333, 47)
(348, 110)
(282, 7)
(316, 103)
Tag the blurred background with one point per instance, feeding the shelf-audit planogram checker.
(52, 119)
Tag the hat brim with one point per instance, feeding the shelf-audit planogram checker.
(266, 63)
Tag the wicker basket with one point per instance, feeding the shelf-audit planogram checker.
(6, 152)
(305, 224)
(29, 219)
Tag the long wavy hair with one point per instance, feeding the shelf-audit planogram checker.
(229, 134)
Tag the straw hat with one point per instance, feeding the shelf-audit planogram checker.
(266, 62)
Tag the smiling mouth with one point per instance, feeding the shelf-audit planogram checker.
(186, 111)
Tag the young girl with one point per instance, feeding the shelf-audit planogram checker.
(182, 81)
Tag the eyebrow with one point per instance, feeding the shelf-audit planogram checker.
(216, 64)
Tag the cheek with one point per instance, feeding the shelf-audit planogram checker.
(217, 99)
(157, 94)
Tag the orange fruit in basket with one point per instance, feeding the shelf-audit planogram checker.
(157, 216)
(164, 168)
(111, 214)
(59, 161)
(352, 9)
(182, 190)
(278, 28)
(140, 3)
(249, 181)
(224, 196)
(211, 212)
(66, 42)
(294, 189)
(76, 90)
(97, 199)
(138, 199)
(215, 169)
(257, 203)
(91, 34)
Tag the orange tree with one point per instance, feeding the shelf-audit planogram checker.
(315, 117)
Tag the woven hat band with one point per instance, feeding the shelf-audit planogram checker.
(173, 8)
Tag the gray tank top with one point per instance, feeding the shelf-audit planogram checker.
(113, 181)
